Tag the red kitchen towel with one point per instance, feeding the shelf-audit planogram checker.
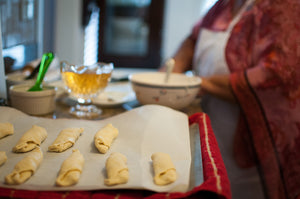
(216, 183)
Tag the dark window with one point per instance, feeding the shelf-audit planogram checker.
(130, 33)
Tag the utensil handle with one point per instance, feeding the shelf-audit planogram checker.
(48, 61)
(170, 65)
(42, 66)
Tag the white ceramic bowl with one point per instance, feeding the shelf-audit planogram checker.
(177, 93)
(33, 103)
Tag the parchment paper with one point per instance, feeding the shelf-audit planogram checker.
(142, 131)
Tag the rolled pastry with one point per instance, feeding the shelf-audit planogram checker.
(104, 137)
(25, 168)
(116, 169)
(3, 157)
(65, 139)
(6, 129)
(31, 139)
(164, 169)
(70, 169)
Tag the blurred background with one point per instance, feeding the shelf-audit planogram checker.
(129, 33)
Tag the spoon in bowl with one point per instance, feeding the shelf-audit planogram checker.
(45, 62)
(169, 68)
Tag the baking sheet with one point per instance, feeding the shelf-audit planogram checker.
(196, 170)
(142, 131)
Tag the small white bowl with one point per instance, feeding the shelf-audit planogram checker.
(179, 92)
(34, 102)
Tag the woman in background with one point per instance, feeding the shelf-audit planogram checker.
(247, 53)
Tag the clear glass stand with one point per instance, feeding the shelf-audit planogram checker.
(85, 109)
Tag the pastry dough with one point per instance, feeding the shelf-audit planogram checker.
(31, 139)
(65, 139)
(104, 137)
(71, 169)
(164, 169)
(116, 168)
(6, 129)
(25, 168)
(3, 157)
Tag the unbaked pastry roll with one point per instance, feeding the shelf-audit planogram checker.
(70, 169)
(6, 129)
(66, 139)
(116, 169)
(104, 137)
(25, 168)
(31, 139)
(164, 169)
(3, 157)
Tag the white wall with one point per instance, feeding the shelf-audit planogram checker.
(180, 16)
(69, 44)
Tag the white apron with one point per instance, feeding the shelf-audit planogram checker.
(209, 60)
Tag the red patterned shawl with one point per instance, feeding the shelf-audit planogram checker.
(263, 55)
